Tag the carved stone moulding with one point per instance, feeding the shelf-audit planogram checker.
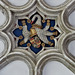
(7, 14)
(52, 56)
(49, 7)
(68, 38)
(66, 13)
(7, 44)
(21, 8)
(36, 33)
(18, 56)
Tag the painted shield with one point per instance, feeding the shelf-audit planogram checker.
(35, 41)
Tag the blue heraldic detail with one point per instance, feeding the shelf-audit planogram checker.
(36, 33)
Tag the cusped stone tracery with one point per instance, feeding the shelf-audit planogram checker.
(37, 36)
